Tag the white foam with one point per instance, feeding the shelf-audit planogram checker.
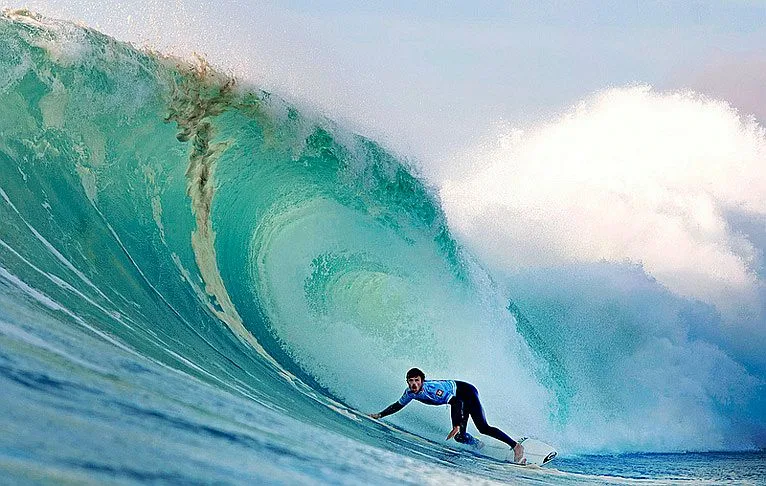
(631, 174)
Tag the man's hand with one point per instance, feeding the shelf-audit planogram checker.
(374, 415)
(453, 432)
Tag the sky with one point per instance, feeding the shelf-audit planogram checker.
(431, 78)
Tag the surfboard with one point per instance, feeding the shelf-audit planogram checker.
(536, 452)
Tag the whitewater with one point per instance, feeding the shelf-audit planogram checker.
(201, 282)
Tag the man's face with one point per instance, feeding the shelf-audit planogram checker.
(415, 384)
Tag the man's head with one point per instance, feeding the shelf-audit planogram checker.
(415, 379)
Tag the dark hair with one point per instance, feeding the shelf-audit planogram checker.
(416, 372)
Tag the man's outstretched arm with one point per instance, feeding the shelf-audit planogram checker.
(393, 408)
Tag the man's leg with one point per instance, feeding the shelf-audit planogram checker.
(468, 394)
(459, 415)
(472, 406)
(477, 415)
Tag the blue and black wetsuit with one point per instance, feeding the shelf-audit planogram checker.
(463, 399)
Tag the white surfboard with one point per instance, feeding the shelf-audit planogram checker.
(536, 452)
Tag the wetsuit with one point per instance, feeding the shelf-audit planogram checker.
(466, 402)
(463, 399)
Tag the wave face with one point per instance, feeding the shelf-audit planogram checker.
(155, 206)
(156, 209)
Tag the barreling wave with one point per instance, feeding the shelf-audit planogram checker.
(216, 229)
(209, 226)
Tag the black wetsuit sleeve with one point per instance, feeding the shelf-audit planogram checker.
(393, 408)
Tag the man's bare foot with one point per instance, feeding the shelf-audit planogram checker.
(518, 454)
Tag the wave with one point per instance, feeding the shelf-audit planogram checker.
(214, 228)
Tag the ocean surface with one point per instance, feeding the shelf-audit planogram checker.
(203, 284)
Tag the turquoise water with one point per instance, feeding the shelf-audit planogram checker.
(200, 283)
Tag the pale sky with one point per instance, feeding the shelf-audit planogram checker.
(429, 78)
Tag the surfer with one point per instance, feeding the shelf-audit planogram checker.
(463, 399)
